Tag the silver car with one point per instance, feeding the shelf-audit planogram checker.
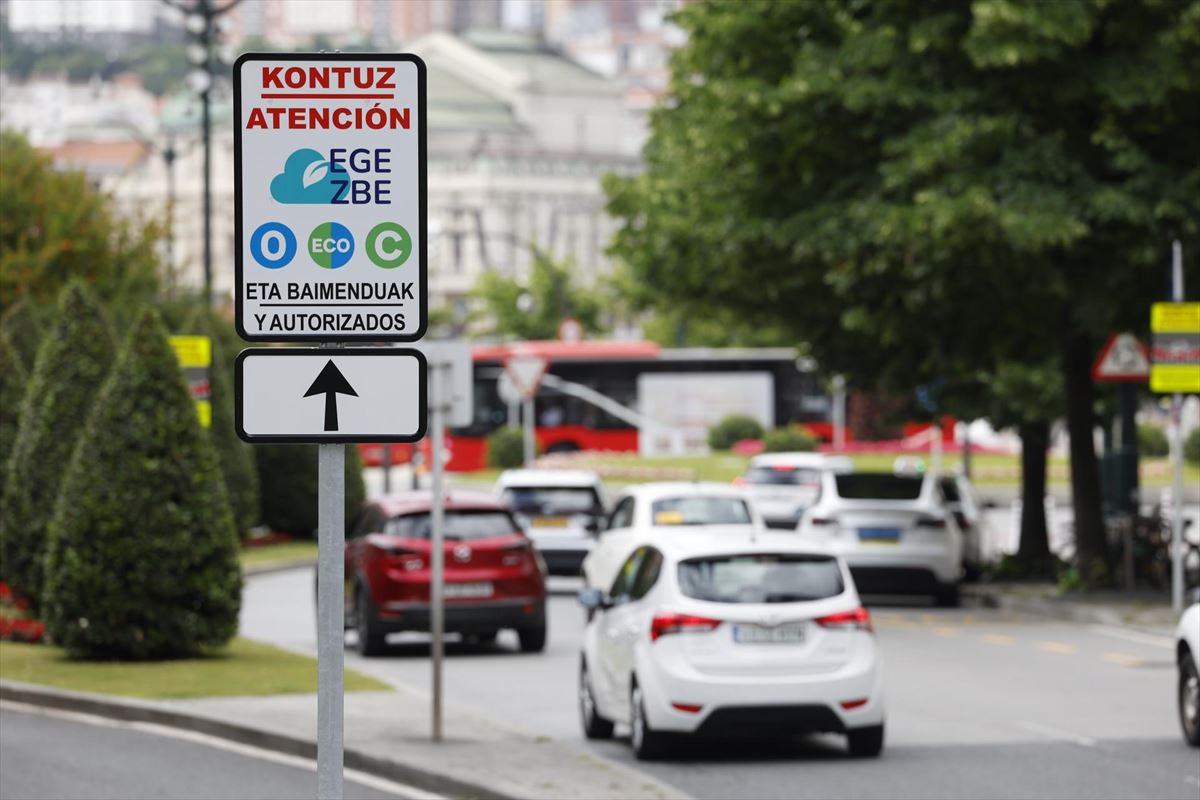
(783, 485)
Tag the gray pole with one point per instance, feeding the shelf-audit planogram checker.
(437, 548)
(527, 406)
(206, 126)
(331, 535)
(839, 412)
(1177, 452)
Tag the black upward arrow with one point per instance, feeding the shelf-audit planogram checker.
(331, 382)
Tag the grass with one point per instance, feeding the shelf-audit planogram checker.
(271, 554)
(242, 668)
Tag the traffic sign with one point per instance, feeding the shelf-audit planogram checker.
(330, 197)
(1123, 359)
(195, 357)
(454, 390)
(1175, 348)
(526, 371)
(330, 395)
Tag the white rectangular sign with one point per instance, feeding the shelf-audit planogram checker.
(330, 395)
(330, 199)
(451, 375)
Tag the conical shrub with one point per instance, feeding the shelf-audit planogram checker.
(71, 365)
(24, 330)
(12, 386)
(287, 475)
(142, 560)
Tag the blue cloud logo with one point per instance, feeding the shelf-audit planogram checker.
(305, 178)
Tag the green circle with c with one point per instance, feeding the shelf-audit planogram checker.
(389, 245)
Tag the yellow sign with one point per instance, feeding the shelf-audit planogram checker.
(1175, 378)
(195, 357)
(192, 351)
(1175, 318)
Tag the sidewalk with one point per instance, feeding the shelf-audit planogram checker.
(386, 734)
(1148, 612)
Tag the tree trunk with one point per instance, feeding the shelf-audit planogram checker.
(1034, 549)
(1090, 542)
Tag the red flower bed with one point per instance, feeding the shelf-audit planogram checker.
(15, 624)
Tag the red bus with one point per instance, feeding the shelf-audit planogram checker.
(624, 372)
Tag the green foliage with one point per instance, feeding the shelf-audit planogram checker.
(1152, 441)
(733, 429)
(21, 325)
(506, 448)
(554, 295)
(142, 561)
(1191, 447)
(55, 227)
(13, 379)
(71, 366)
(287, 479)
(789, 440)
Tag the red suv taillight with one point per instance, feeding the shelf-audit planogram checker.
(517, 553)
(663, 624)
(858, 619)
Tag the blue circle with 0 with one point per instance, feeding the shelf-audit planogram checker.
(273, 245)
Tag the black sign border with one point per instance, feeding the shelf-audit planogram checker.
(423, 188)
(239, 396)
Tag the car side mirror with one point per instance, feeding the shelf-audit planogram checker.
(593, 599)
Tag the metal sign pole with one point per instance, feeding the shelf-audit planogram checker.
(331, 534)
(1177, 452)
(438, 390)
(527, 410)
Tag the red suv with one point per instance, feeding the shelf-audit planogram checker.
(494, 578)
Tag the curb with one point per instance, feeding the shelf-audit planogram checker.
(989, 597)
(129, 710)
(282, 566)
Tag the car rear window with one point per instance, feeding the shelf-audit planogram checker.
(460, 525)
(950, 490)
(781, 476)
(543, 500)
(878, 486)
(699, 510)
(760, 578)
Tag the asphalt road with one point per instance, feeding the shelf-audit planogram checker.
(59, 756)
(980, 704)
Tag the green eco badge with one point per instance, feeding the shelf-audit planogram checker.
(330, 245)
(389, 245)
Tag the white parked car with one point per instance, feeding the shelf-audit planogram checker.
(894, 532)
(711, 635)
(667, 509)
(783, 485)
(960, 500)
(1187, 649)
(561, 510)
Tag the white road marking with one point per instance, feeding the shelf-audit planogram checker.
(1149, 639)
(1054, 733)
(381, 784)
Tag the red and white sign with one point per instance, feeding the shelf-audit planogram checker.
(1122, 359)
(526, 371)
(570, 330)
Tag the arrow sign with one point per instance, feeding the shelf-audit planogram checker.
(331, 382)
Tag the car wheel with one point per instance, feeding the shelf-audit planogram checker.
(865, 742)
(648, 744)
(372, 641)
(1189, 699)
(594, 725)
(948, 596)
(533, 640)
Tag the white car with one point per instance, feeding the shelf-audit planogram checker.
(667, 509)
(783, 485)
(894, 532)
(715, 635)
(1187, 649)
(959, 497)
(561, 511)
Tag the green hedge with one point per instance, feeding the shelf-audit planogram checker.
(1191, 447)
(71, 365)
(13, 378)
(733, 429)
(142, 561)
(21, 325)
(789, 440)
(506, 448)
(287, 477)
(1152, 441)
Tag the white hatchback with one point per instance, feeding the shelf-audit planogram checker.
(894, 532)
(783, 485)
(561, 511)
(709, 635)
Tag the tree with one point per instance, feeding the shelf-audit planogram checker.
(917, 188)
(553, 297)
(287, 475)
(21, 325)
(54, 227)
(142, 560)
(12, 387)
(71, 365)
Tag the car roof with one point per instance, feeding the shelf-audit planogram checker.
(655, 491)
(799, 459)
(701, 544)
(547, 477)
(418, 502)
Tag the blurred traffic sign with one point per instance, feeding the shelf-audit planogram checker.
(1175, 348)
(525, 371)
(330, 395)
(453, 391)
(195, 357)
(570, 330)
(330, 197)
(1123, 359)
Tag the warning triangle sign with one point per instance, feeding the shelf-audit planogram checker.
(1123, 358)
(526, 373)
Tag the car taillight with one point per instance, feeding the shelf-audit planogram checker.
(517, 553)
(820, 521)
(409, 559)
(858, 619)
(931, 522)
(663, 624)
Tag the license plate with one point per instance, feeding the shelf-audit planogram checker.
(879, 535)
(792, 633)
(460, 590)
(550, 522)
